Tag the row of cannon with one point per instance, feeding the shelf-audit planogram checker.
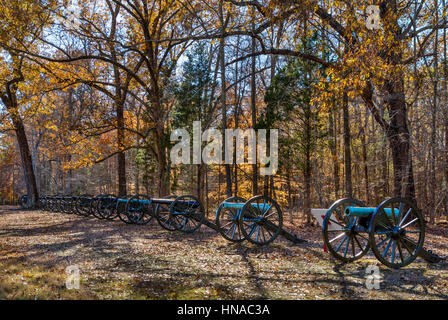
(394, 231)
(258, 220)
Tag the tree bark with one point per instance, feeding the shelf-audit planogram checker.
(399, 140)
(224, 96)
(396, 128)
(334, 151)
(365, 165)
(307, 169)
(445, 89)
(10, 101)
(432, 177)
(347, 143)
(253, 108)
(121, 156)
(289, 188)
(120, 99)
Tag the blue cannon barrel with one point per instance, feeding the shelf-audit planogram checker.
(365, 212)
(235, 205)
(158, 201)
(134, 200)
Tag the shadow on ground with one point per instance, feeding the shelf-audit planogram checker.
(119, 261)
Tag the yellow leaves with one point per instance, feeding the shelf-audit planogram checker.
(52, 127)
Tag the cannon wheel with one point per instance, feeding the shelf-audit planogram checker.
(57, 204)
(227, 220)
(187, 213)
(46, 203)
(397, 240)
(110, 207)
(142, 212)
(261, 226)
(49, 203)
(343, 235)
(62, 203)
(82, 208)
(95, 206)
(41, 203)
(67, 204)
(121, 209)
(147, 210)
(106, 206)
(71, 206)
(162, 214)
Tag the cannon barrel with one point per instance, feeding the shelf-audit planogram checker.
(261, 206)
(364, 212)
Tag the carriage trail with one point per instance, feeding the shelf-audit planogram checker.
(119, 261)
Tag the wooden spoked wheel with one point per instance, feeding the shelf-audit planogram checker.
(227, 220)
(139, 210)
(95, 206)
(397, 232)
(107, 206)
(345, 237)
(162, 214)
(121, 209)
(187, 213)
(83, 205)
(261, 220)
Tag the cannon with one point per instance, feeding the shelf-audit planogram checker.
(258, 220)
(395, 231)
(48, 203)
(23, 200)
(106, 207)
(184, 213)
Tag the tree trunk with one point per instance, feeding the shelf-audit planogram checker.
(253, 109)
(159, 140)
(289, 188)
(432, 176)
(198, 181)
(206, 191)
(401, 159)
(334, 151)
(397, 130)
(200, 185)
(224, 112)
(399, 139)
(347, 143)
(236, 120)
(445, 89)
(307, 169)
(10, 102)
(120, 99)
(121, 157)
(365, 164)
(266, 177)
(307, 194)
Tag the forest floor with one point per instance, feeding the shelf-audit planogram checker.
(119, 261)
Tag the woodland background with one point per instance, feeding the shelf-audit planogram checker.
(91, 90)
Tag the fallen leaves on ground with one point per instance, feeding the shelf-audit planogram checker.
(119, 261)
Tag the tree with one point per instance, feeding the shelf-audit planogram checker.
(23, 22)
(373, 65)
(193, 97)
(290, 95)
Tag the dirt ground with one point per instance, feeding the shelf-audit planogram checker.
(119, 261)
